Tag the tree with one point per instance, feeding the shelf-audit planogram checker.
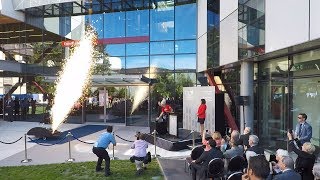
(168, 87)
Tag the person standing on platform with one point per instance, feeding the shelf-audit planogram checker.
(164, 116)
(202, 115)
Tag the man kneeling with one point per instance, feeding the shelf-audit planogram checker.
(140, 157)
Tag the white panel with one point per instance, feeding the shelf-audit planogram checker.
(202, 35)
(191, 100)
(24, 4)
(314, 19)
(8, 10)
(287, 23)
(202, 53)
(227, 7)
(229, 39)
(52, 24)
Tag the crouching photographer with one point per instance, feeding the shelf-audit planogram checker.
(141, 158)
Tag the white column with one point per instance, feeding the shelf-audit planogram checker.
(246, 89)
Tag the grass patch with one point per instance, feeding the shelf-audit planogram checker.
(120, 169)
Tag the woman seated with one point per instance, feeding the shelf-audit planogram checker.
(218, 138)
(306, 158)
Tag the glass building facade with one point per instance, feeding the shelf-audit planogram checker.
(153, 38)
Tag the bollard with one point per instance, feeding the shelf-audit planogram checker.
(193, 139)
(69, 137)
(113, 157)
(26, 160)
(155, 144)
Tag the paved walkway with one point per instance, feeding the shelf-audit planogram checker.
(12, 154)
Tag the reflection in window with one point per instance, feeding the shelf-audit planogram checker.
(185, 62)
(137, 62)
(115, 49)
(188, 46)
(96, 21)
(161, 47)
(163, 63)
(185, 21)
(114, 25)
(162, 23)
(138, 23)
(137, 49)
(117, 63)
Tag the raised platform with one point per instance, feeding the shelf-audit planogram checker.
(174, 143)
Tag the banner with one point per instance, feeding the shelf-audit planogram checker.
(191, 101)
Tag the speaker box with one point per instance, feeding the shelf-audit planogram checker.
(219, 114)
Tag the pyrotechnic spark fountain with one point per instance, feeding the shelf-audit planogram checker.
(73, 79)
(142, 91)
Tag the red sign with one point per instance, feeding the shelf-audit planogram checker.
(69, 43)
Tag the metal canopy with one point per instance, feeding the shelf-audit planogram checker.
(113, 80)
(59, 8)
(120, 80)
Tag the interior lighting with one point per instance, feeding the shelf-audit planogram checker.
(6, 32)
(35, 35)
(25, 30)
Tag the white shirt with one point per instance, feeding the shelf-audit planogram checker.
(140, 148)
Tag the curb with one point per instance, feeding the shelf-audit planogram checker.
(165, 177)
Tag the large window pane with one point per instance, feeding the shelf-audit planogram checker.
(163, 63)
(162, 22)
(138, 23)
(117, 63)
(161, 47)
(188, 46)
(185, 21)
(137, 62)
(185, 62)
(115, 49)
(96, 21)
(114, 25)
(273, 97)
(137, 49)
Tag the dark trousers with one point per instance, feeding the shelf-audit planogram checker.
(102, 154)
(198, 169)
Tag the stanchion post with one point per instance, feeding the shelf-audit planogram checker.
(113, 157)
(69, 141)
(193, 139)
(26, 160)
(155, 143)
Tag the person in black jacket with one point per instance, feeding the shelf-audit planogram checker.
(200, 165)
(305, 159)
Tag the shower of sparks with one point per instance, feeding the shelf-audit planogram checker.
(143, 91)
(73, 79)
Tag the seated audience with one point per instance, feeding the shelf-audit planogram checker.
(200, 165)
(305, 159)
(254, 149)
(287, 173)
(258, 168)
(234, 151)
(244, 138)
(316, 171)
(275, 164)
(217, 137)
(140, 153)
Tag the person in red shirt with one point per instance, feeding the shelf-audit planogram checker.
(202, 114)
(165, 111)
